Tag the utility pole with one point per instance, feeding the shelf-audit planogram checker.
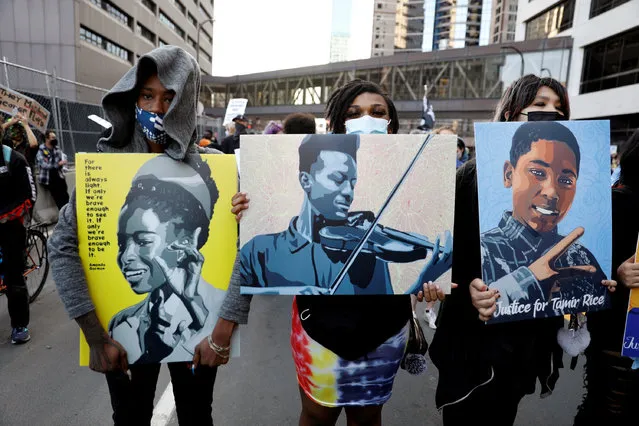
(197, 48)
(521, 56)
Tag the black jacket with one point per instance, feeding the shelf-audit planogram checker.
(231, 143)
(468, 352)
(16, 181)
(607, 327)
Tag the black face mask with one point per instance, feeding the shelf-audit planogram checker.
(53, 142)
(544, 116)
(239, 127)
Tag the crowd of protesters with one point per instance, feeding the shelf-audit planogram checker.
(484, 370)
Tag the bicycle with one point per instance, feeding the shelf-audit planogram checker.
(36, 267)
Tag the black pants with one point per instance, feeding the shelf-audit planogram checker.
(132, 399)
(58, 188)
(497, 399)
(13, 238)
(611, 390)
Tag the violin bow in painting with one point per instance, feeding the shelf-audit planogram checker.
(351, 259)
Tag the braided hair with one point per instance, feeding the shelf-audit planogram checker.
(342, 99)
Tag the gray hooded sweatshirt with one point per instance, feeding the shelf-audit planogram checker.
(178, 71)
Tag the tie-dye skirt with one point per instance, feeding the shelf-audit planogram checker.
(332, 381)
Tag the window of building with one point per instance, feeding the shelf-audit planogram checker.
(206, 54)
(162, 43)
(192, 43)
(379, 5)
(192, 20)
(610, 63)
(206, 35)
(597, 7)
(115, 12)
(552, 21)
(172, 25)
(510, 37)
(97, 40)
(180, 6)
(149, 4)
(512, 7)
(146, 33)
(204, 12)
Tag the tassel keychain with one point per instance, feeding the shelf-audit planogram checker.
(576, 338)
(414, 361)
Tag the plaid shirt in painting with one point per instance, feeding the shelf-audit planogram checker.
(511, 247)
(48, 160)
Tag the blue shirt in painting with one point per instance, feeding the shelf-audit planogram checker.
(511, 247)
(288, 259)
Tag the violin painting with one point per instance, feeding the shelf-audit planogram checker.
(346, 214)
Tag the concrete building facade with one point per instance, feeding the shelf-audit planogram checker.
(604, 71)
(398, 26)
(457, 24)
(503, 21)
(96, 41)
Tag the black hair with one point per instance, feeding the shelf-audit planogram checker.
(460, 143)
(48, 132)
(533, 131)
(209, 131)
(342, 98)
(312, 145)
(171, 201)
(299, 124)
(629, 161)
(522, 93)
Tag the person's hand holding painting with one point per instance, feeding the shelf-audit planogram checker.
(432, 292)
(239, 203)
(217, 353)
(628, 273)
(484, 299)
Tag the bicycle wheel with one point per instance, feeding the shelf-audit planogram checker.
(36, 263)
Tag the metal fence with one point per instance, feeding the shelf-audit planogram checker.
(70, 103)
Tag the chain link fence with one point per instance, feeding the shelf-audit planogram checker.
(69, 102)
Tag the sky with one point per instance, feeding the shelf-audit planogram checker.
(252, 36)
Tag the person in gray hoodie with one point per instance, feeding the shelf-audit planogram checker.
(153, 110)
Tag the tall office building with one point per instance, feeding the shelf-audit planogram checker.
(504, 21)
(452, 24)
(603, 82)
(96, 41)
(340, 30)
(398, 26)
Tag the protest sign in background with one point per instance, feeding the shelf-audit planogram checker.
(12, 102)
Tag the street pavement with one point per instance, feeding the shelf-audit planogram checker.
(42, 384)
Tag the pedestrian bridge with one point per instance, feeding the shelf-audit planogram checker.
(463, 84)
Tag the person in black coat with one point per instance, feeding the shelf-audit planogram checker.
(611, 386)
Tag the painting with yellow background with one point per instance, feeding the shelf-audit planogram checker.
(157, 241)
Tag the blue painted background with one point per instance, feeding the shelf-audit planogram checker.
(591, 207)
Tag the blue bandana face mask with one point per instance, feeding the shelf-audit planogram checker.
(152, 125)
(367, 125)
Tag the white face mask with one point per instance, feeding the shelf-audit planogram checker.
(367, 125)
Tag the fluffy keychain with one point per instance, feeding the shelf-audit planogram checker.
(576, 338)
